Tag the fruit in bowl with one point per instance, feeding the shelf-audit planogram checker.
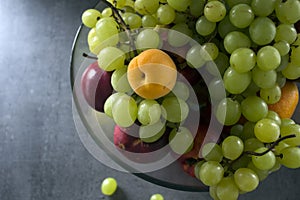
(171, 73)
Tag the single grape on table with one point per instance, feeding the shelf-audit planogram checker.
(238, 58)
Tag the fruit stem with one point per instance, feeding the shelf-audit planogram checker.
(271, 147)
(119, 18)
(88, 56)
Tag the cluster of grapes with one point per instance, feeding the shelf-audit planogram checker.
(255, 46)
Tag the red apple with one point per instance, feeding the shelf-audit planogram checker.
(96, 86)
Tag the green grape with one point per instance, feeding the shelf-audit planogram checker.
(286, 121)
(267, 130)
(165, 14)
(180, 18)
(228, 112)
(286, 32)
(227, 189)
(156, 197)
(213, 192)
(147, 39)
(281, 80)
(263, 8)
(149, 112)
(174, 109)
(225, 27)
(295, 58)
(279, 147)
(195, 56)
(211, 173)
(254, 108)
(290, 129)
(232, 3)
(216, 90)
(232, 147)
(252, 144)
(110, 102)
(133, 21)
(283, 47)
(241, 15)
(145, 7)
(291, 157)
(148, 21)
(212, 50)
(246, 179)
(196, 7)
(297, 41)
(268, 58)
(235, 82)
(264, 162)
(181, 140)
(271, 95)
(107, 33)
(243, 60)
(117, 3)
(274, 116)
(262, 30)
(197, 168)
(241, 162)
(248, 130)
(111, 58)
(152, 133)
(90, 17)
(222, 62)
(284, 62)
(235, 40)
(124, 111)
(179, 35)
(277, 165)
(288, 11)
(291, 71)
(252, 89)
(179, 5)
(236, 130)
(262, 174)
(93, 42)
(205, 27)
(107, 12)
(119, 80)
(214, 11)
(264, 79)
(109, 186)
(180, 90)
(212, 152)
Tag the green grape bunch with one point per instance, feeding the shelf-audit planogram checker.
(249, 51)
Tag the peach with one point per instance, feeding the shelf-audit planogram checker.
(152, 74)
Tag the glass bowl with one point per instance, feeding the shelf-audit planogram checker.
(100, 143)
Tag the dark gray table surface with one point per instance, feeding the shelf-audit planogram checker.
(41, 155)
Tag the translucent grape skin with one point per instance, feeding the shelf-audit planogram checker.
(262, 30)
(156, 197)
(147, 39)
(268, 58)
(214, 11)
(235, 82)
(263, 8)
(254, 108)
(241, 15)
(205, 27)
(165, 14)
(267, 130)
(109, 186)
(291, 157)
(111, 58)
(228, 111)
(235, 40)
(149, 112)
(211, 173)
(264, 162)
(145, 7)
(271, 95)
(290, 129)
(232, 147)
(243, 60)
(227, 189)
(212, 152)
(179, 5)
(181, 140)
(174, 109)
(246, 179)
(90, 17)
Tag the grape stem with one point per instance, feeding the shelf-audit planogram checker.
(271, 147)
(126, 28)
(88, 56)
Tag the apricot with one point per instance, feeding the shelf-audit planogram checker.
(288, 102)
(152, 74)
